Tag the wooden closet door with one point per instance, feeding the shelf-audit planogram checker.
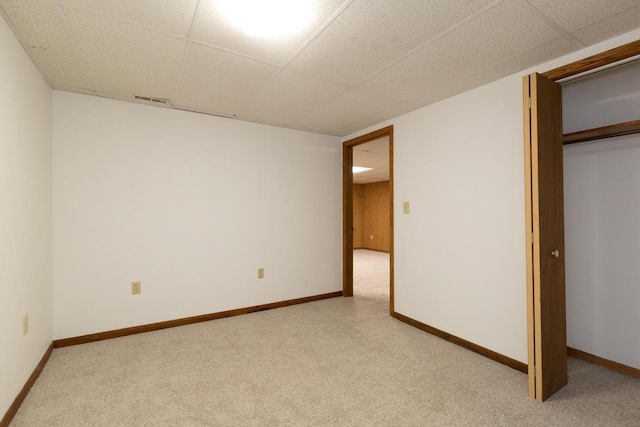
(545, 237)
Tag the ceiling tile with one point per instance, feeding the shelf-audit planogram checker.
(344, 110)
(411, 53)
(46, 41)
(373, 154)
(219, 82)
(572, 15)
(501, 32)
(394, 111)
(172, 16)
(537, 55)
(288, 97)
(125, 59)
(364, 158)
(380, 145)
(372, 33)
(413, 77)
(212, 28)
(443, 92)
(609, 27)
(530, 58)
(382, 163)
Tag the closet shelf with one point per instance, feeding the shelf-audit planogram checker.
(619, 129)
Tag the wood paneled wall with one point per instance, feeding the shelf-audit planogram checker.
(358, 205)
(371, 216)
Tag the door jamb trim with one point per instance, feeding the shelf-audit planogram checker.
(347, 210)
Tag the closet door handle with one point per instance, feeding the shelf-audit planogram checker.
(555, 253)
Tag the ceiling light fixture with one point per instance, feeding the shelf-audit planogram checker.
(268, 18)
(358, 169)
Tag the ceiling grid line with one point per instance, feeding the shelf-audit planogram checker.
(187, 50)
(233, 52)
(400, 58)
(187, 39)
(480, 71)
(120, 20)
(319, 31)
(319, 107)
(431, 40)
(552, 24)
(364, 119)
(309, 40)
(259, 92)
(74, 46)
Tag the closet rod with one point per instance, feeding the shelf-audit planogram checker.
(619, 129)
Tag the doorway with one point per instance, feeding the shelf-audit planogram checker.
(348, 208)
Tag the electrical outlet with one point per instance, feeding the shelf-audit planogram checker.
(25, 324)
(136, 288)
(261, 273)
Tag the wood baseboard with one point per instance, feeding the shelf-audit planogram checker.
(512, 363)
(13, 409)
(597, 360)
(186, 321)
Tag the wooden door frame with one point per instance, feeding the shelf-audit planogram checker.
(347, 209)
(584, 65)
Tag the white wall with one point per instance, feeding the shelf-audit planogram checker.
(602, 212)
(460, 253)
(190, 205)
(25, 216)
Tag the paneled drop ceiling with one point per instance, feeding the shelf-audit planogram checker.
(359, 62)
(374, 155)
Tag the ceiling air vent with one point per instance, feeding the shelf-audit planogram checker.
(160, 101)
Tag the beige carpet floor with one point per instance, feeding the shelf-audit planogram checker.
(337, 362)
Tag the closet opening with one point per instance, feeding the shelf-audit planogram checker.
(601, 122)
(546, 193)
